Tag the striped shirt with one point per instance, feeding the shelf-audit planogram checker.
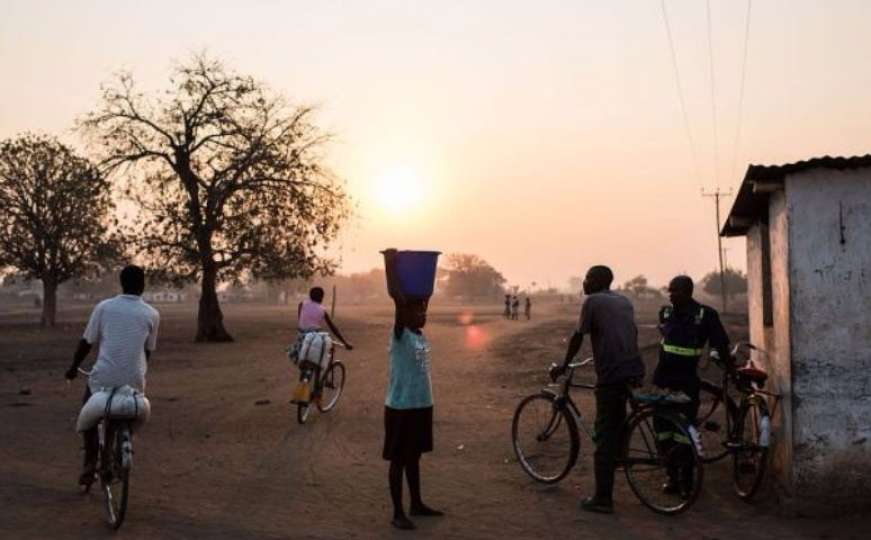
(123, 326)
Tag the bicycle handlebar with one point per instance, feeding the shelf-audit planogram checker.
(582, 363)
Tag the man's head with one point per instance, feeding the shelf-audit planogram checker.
(133, 280)
(598, 279)
(680, 290)
(316, 294)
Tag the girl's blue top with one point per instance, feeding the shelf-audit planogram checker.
(410, 386)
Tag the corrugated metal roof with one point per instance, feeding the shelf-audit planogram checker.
(750, 205)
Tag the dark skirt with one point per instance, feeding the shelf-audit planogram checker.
(407, 433)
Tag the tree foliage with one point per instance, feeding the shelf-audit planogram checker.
(229, 179)
(736, 282)
(639, 286)
(55, 214)
(469, 275)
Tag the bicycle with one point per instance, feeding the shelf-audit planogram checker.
(747, 420)
(327, 388)
(545, 429)
(114, 463)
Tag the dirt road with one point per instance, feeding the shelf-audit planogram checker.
(212, 463)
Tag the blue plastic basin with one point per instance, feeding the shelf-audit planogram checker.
(417, 272)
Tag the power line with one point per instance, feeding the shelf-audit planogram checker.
(683, 105)
(741, 88)
(713, 98)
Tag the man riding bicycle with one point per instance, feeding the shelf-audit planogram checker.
(125, 327)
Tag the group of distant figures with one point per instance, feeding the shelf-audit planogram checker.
(512, 308)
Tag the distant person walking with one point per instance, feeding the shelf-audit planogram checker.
(515, 307)
(507, 313)
(528, 309)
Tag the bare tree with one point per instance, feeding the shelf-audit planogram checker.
(55, 215)
(229, 178)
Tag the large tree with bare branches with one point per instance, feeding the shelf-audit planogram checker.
(229, 179)
(55, 215)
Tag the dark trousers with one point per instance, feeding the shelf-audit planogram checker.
(91, 438)
(610, 416)
(674, 446)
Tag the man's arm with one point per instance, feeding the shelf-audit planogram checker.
(81, 353)
(718, 339)
(335, 331)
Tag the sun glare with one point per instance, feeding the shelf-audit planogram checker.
(399, 190)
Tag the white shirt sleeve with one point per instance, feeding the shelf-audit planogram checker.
(151, 340)
(92, 331)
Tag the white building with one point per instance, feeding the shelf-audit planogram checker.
(808, 229)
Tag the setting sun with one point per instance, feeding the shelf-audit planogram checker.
(399, 190)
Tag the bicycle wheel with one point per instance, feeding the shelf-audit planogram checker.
(661, 463)
(332, 384)
(713, 423)
(545, 438)
(749, 457)
(115, 476)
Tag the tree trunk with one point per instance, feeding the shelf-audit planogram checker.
(210, 320)
(49, 301)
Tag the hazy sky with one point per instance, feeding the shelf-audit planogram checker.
(544, 136)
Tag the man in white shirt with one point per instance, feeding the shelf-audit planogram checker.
(125, 327)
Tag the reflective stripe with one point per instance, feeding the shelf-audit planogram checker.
(680, 438)
(677, 437)
(680, 351)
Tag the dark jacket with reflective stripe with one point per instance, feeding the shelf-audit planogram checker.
(684, 335)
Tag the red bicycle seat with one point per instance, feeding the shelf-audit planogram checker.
(754, 374)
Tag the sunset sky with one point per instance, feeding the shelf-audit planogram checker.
(544, 136)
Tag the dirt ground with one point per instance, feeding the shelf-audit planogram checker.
(212, 463)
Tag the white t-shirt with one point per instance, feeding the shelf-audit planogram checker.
(123, 326)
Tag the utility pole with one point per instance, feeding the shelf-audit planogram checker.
(716, 195)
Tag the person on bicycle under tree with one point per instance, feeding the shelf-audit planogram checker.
(312, 316)
(609, 319)
(126, 329)
(686, 327)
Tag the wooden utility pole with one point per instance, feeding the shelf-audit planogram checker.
(716, 194)
(333, 307)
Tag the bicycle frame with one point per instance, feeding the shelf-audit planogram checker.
(562, 393)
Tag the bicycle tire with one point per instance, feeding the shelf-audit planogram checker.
(650, 463)
(561, 416)
(116, 497)
(335, 376)
(753, 410)
(713, 423)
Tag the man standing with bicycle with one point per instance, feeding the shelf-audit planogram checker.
(126, 329)
(686, 327)
(609, 319)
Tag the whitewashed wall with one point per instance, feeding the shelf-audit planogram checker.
(774, 340)
(830, 331)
